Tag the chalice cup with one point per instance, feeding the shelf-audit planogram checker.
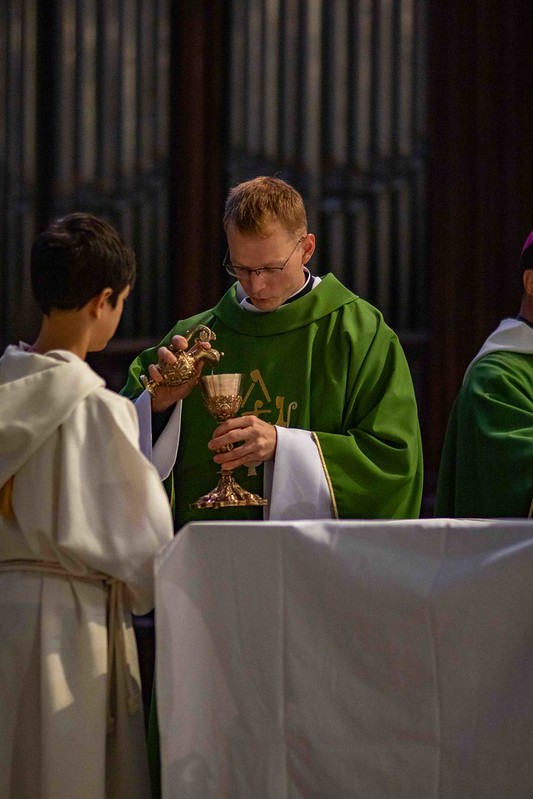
(222, 398)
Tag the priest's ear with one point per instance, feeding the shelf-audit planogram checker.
(527, 279)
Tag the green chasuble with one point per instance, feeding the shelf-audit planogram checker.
(487, 466)
(326, 363)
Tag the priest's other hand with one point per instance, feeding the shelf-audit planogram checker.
(255, 438)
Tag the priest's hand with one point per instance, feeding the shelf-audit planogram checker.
(165, 396)
(253, 441)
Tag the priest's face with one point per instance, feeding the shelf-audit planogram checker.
(279, 257)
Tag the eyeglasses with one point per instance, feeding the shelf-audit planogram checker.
(241, 272)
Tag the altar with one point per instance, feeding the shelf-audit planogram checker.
(346, 660)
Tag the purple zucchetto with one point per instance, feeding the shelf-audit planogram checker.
(527, 242)
(526, 256)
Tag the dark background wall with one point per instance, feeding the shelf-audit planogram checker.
(406, 124)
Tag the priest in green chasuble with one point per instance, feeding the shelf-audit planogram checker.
(328, 427)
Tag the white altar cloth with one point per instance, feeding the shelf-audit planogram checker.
(346, 660)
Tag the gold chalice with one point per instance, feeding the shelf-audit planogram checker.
(222, 398)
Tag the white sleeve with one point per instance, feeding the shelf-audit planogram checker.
(163, 453)
(295, 483)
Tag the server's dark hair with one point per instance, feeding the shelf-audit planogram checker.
(77, 257)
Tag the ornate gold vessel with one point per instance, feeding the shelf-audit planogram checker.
(222, 398)
(185, 366)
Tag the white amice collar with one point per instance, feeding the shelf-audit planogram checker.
(245, 303)
(511, 335)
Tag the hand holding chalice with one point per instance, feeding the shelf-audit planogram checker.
(222, 398)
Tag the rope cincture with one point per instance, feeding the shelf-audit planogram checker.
(117, 663)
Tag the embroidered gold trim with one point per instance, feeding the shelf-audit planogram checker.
(328, 478)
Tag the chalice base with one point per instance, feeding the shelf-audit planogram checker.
(228, 493)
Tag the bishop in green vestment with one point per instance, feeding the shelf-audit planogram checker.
(486, 466)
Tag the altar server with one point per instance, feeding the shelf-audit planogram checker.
(82, 514)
